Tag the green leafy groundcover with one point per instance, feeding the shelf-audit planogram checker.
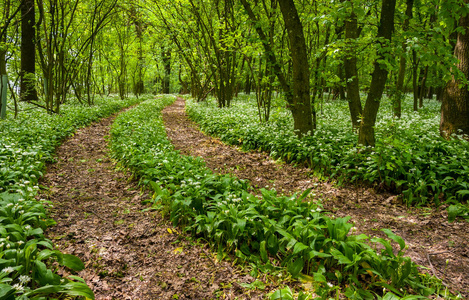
(270, 232)
(26, 255)
(410, 157)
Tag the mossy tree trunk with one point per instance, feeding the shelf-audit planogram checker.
(455, 99)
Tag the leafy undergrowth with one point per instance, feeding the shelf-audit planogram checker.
(271, 233)
(409, 158)
(28, 260)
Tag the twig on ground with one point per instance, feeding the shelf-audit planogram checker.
(213, 263)
(433, 270)
(441, 252)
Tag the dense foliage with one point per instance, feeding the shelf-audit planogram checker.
(27, 268)
(409, 157)
(267, 231)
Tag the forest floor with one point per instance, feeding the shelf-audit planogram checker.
(130, 253)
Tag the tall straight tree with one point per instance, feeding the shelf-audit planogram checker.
(455, 100)
(28, 52)
(351, 73)
(397, 106)
(300, 106)
(3, 51)
(366, 136)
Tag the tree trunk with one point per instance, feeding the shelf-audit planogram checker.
(167, 70)
(351, 72)
(3, 85)
(3, 66)
(301, 102)
(300, 108)
(366, 136)
(415, 66)
(455, 99)
(139, 87)
(397, 105)
(422, 86)
(28, 52)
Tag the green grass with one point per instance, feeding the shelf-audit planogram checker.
(270, 233)
(410, 157)
(27, 257)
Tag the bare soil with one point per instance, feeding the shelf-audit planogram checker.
(132, 253)
(434, 243)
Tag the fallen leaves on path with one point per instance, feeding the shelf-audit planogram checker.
(128, 253)
(433, 242)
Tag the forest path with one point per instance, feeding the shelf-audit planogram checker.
(128, 253)
(433, 242)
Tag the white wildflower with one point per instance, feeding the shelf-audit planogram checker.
(8, 270)
(18, 287)
(24, 279)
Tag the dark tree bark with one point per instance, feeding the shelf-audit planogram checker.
(298, 97)
(455, 99)
(415, 90)
(423, 81)
(3, 81)
(28, 52)
(366, 136)
(351, 72)
(166, 54)
(397, 105)
(301, 105)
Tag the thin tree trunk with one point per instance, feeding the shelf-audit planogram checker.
(351, 72)
(167, 70)
(28, 52)
(366, 136)
(422, 86)
(415, 67)
(397, 105)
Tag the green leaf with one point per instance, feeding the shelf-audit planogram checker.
(296, 267)
(319, 277)
(263, 252)
(394, 237)
(340, 257)
(305, 194)
(282, 294)
(6, 291)
(318, 254)
(299, 247)
(73, 262)
(272, 244)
